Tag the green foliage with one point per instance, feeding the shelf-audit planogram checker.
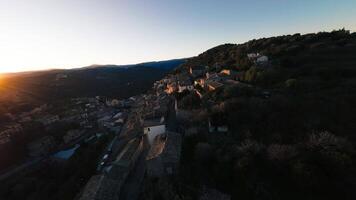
(57, 180)
(244, 63)
(291, 83)
(251, 74)
(277, 147)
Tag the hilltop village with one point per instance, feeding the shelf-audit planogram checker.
(230, 123)
(153, 133)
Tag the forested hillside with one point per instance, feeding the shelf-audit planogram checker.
(291, 120)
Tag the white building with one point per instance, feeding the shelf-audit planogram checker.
(154, 127)
(253, 55)
(262, 59)
(181, 88)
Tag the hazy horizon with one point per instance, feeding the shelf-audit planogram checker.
(66, 34)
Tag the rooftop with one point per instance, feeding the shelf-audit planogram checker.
(100, 187)
(215, 84)
(153, 122)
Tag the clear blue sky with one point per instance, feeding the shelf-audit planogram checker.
(40, 34)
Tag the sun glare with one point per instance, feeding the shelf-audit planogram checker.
(1, 80)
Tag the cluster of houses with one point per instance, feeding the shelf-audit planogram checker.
(198, 79)
(111, 120)
(96, 116)
(148, 124)
(114, 172)
(164, 144)
(15, 128)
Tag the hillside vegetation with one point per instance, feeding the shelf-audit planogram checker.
(292, 133)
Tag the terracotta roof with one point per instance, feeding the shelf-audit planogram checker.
(215, 84)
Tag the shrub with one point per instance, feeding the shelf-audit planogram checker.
(291, 83)
(281, 152)
(249, 148)
(251, 74)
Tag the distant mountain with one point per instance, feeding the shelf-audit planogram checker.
(120, 81)
(166, 64)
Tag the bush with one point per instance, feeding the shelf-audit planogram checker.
(251, 74)
(291, 83)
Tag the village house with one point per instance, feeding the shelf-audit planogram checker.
(182, 86)
(113, 102)
(118, 115)
(200, 82)
(253, 56)
(171, 88)
(258, 58)
(184, 83)
(164, 155)
(159, 85)
(232, 74)
(262, 60)
(153, 127)
(105, 122)
(213, 85)
(198, 93)
(216, 77)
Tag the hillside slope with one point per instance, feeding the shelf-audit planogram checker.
(100, 80)
(290, 119)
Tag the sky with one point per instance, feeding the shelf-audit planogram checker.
(43, 34)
